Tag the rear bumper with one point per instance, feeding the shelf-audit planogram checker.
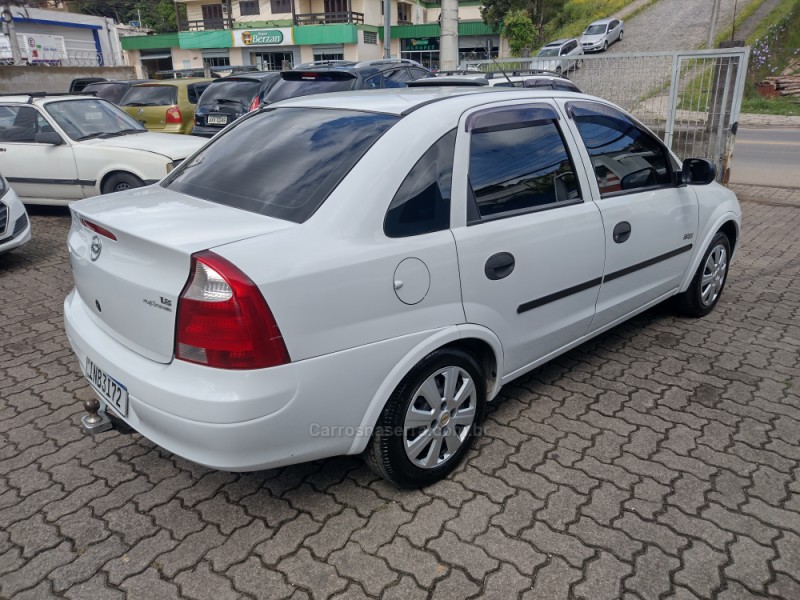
(206, 131)
(242, 420)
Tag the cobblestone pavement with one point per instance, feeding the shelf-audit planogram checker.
(661, 459)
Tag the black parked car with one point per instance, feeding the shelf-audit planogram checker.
(228, 98)
(338, 76)
(112, 90)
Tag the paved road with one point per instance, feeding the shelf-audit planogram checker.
(659, 459)
(767, 157)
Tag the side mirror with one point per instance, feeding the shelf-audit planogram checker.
(49, 137)
(698, 171)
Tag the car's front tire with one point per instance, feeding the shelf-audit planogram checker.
(605, 45)
(430, 421)
(119, 182)
(706, 287)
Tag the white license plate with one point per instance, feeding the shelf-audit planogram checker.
(112, 391)
(216, 120)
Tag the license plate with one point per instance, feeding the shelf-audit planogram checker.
(112, 391)
(217, 119)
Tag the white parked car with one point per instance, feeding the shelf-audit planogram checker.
(15, 228)
(601, 34)
(55, 149)
(559, 56)
(361, 273)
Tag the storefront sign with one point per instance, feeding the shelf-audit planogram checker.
(262, 37)
(411, 44)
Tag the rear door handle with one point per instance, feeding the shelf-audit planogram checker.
(499, 265)
(622, 231)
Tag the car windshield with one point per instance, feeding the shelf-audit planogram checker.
(294, 84)
(113, 92)
(150, 95)
(282, 163)
(548, 52)
(595, 30)
(88, 118)
(241, 92)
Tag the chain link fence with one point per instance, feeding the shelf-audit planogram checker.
(57, 58)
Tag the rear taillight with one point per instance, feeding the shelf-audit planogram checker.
(224, 321)
(174, 115)
(254, 104)
(97, 229)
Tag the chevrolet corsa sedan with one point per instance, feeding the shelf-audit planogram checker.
(360, 273)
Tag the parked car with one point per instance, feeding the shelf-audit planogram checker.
(78, 84)
(55, 149)
(559, 56)
(165, 106)
(340, 76)
(112, 90)
(361, 273)
(15, 228)
(227, 99)
(514, 79)
(601, 34)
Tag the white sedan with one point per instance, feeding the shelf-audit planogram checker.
(15, 228)
(56, 149)
(361, 273)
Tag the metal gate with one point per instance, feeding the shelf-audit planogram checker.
(690, 99)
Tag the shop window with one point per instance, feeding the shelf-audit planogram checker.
(281, 6)
(403, 13)
(370, 37)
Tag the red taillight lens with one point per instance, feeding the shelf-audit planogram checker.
(97, 229)
(174, 115)
(254, 104)
(224, 321)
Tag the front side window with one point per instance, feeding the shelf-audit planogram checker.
(518, 163)
(84, 119)
(283, 162)
(422, 203)
(624, 156)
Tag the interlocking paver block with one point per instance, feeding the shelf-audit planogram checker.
(603, 578)
(287, 539)
(370, 572)
(304, 570)
(455, 586)
(202, 584)
(239, 545)
(421, 564)
(149, 585)
(511, 550)
(255, 579)
(651, 576)
(139, 557)
(87, 563)
(36, 569)
(700, 571)
(551, 542)
(553, 581)
(381, 528)
(750, 563)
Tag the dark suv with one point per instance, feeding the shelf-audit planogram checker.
(340, 76)
(112, 90)
(228, 98)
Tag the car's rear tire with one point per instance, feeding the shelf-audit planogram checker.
(706, 287)
(119, 182)
(430, 420)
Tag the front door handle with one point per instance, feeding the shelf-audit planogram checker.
(622, 231)
(499, 265)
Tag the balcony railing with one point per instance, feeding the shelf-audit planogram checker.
(328, 17)
(207, 24)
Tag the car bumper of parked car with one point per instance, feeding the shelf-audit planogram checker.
(240, 420)
(593, 48)
(18, 230)
(206, 131)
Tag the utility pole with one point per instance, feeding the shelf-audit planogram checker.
(448, 38)
(712, 24)
(387, 28)
(9, 30)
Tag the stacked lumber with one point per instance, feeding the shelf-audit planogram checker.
(782, 85)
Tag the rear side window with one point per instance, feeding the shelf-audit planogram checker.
(238, 92)
(151, 95)
(422, 204)
(195, 90)
(282, 163)
(624, 156)
(299, 83)
(518, 163)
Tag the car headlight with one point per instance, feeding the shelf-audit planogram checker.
(171, 166)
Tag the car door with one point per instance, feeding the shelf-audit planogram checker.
(613, 31)
(650, 222)
(35, 169)
(530, 241)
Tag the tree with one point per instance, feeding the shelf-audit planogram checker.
(541, 12)
(518, 28)
(155, 14)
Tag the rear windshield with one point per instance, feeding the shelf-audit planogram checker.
(237, 93)
(297, 83)
(282, 163)
(151, 95)
(113, 92)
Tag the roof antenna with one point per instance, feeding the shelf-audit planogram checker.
(496, 64)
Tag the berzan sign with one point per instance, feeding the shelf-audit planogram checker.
(281, 36)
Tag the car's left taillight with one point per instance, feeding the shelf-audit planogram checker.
(174, 115)
(254, 104)
(224, 321)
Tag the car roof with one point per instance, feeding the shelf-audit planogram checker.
(557, 42)
(400, 101)
(601, 21)
(39, 98)
(364, 67)
(176, 82)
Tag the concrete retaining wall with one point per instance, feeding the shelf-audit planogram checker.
(54, 79)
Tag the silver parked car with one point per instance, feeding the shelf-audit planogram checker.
(601, 34)
(559, 56)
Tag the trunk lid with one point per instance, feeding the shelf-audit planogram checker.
(131, 285)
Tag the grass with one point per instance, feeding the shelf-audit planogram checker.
(577, 14)
(759, 105)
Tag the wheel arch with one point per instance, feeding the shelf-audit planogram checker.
(479, 341)
(727, 223)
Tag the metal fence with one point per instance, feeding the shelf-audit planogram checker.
(690, 99)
